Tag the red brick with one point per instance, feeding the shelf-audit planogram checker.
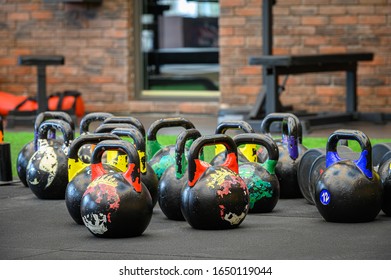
(378, 19)
(343, 20)
(314, 20)
(42, 15)
(20, 16)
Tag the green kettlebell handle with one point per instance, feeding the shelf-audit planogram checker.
(364, 163)
(109, 127)
(153, 146)
(90, 118)
(48, 115)
(132, 174)
(53, 124)
(279, 117)
(265, 141)
(129, 120)
(197, 167)
(180, 157)
(139, 142)
(227, 125)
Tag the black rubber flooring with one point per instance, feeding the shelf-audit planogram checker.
(34, 229)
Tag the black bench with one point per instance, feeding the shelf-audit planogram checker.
(276, 65)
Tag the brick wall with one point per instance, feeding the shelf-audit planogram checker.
(308, 27)
(95, 40)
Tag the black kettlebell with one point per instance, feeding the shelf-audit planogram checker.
(79, 171)
(261, 179)
(162, 156)
(215, 197)
(349, 190)
(30, 148)
(175, 177)
(85, 151)
(115, 158)
(290, 152)
(148, 176)
(116, 204)
(385, 176)
(47, 170)
(246, 153)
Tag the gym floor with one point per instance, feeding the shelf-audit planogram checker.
(34, 229)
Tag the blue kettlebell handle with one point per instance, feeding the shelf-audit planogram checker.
(364, 163)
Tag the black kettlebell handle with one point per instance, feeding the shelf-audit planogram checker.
(90, 118)
(129, 120)
(47, 115)
(263, 140)
(279, 117)
(180, 157)
(139, 142)
(153, 145)
(364, 163)
(228, 125)
(109, 127)
(132, 174)
(74, 162)
(196, 167)
(60, 125)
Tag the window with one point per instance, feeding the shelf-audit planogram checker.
(179, 46)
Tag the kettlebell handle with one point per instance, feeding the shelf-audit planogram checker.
(265, 141)
(74, 162)
(109, 127)
(47, 115)
(364, 163)
(153, 145)
(132, 174)
(196, 167)
(90, 118)
(180, 157)
(60, 125)
(278, 117)
(129, 120)
(227, 125)
(139, 142)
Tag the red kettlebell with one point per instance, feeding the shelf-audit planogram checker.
(175, 178)
(349, 190)
(290, 152)
(47, 170)
(79, 172)
(261, 179)
(246, 153)
(30, 148)
(215, 197)
(159, 156)
(116, 204)
(148, 176)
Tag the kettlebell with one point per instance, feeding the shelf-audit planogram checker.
(385, 176)
(290, 152)
(47, 170)
(162, 156)
(261, 179)
(114, 157)
(246, 153)
(174, 178)
(116, 204)
(79, 172)
(148, 176)
(30, 148)
(215, 197)
(349, 190)
(85, 151)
